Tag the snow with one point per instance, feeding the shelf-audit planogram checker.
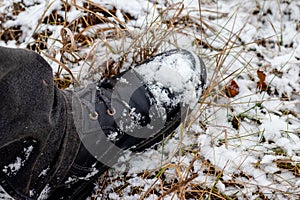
(269, 126)
(44, 172)
(3, 195)
(44, 194)
(13, 168)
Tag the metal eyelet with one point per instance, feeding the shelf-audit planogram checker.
(111, 112)
(93, 116)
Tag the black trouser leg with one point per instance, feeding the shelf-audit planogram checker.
(38, 141)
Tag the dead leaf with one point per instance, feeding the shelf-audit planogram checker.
(261, 84)
(232, 89)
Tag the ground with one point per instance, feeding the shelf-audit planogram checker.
(244, 139)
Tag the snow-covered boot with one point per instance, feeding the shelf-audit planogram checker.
(130, 112)
(54, 144)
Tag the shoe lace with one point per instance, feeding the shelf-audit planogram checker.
(89, 104)
(92, 112)
(105, 97)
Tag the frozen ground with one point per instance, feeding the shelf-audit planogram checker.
(244, 146)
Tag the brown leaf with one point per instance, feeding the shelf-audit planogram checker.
(261, 84)
(232, 89)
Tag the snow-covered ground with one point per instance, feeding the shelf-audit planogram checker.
(244, 146)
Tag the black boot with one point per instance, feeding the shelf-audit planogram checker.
(130, 112)
(54, 144)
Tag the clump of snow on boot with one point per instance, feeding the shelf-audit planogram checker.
(182, 73)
